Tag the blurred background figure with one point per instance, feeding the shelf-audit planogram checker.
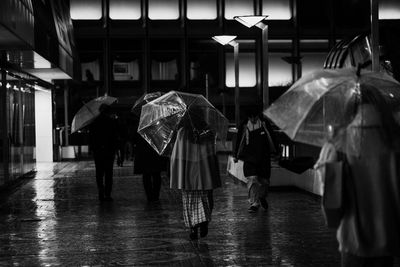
(103, 141)
(369, 230)
(254, 147)
(122, 141)
(148, 163)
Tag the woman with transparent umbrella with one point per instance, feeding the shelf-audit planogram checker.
(195, 171)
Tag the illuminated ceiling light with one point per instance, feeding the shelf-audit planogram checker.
(250, 21)
(224, 39)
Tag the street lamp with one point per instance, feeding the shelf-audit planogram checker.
(230, 40)
(250, 21)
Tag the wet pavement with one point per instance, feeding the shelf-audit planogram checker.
(55, 219)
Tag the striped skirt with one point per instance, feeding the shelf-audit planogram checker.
(196, 206)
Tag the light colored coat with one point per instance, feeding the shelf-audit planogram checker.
(370, 226)
(194, 165)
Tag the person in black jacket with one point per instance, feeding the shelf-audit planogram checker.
(103, 140)
(148, 163)
(254, 147)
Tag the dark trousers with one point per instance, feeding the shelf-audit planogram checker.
(210, 199)
(152, 185)
(349, 260)
(104, 163)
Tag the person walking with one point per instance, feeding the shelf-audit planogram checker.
(254, 147)
(148, 163)
(122, 141)
(103, 136)
(368, 231)
(194, 170)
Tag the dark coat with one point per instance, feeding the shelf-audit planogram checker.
(256, 154)
(103, 134)
(146, 159)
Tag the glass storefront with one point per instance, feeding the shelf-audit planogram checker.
(20, 128)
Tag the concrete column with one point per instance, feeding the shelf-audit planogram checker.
(66, 114)
(237, 92)
(3, 121)
(375, 34)
(265, 67)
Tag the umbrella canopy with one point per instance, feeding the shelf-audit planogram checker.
(324, 99)
(89, 112)
(143, 100)
(161, 119)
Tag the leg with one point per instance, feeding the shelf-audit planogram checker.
(147, 184)
(263, 191)
(156, 186)
(210, 199)
(99, 164)
(204, 225)
(109, 164)
(187, 202)
(253, 187)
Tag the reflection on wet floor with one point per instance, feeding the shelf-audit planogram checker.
(55, 219)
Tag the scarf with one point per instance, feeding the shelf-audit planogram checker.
(251, 127)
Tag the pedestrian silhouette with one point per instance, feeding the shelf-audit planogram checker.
(103, 141)
(148, 163)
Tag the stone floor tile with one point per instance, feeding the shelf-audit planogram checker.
(55, 219)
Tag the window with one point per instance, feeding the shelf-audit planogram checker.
(164, 70)
(90, 71)
(125, 9)
(312, 62)
(125, 71)
(247, 70)
(279, 72)
(201, 10)
(163, 9)
(86, 9)
(277, 9)
(238, 8)
(389, 9)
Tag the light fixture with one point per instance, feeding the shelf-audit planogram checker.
(224, 39)
(230, 40)
(251, 21)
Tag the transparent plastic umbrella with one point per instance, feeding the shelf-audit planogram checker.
(324, 99)
(89, 111)
(161, 119)
(143, 100)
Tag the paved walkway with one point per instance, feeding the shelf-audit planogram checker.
(55, 219)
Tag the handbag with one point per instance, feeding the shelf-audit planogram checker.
(333, 193)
